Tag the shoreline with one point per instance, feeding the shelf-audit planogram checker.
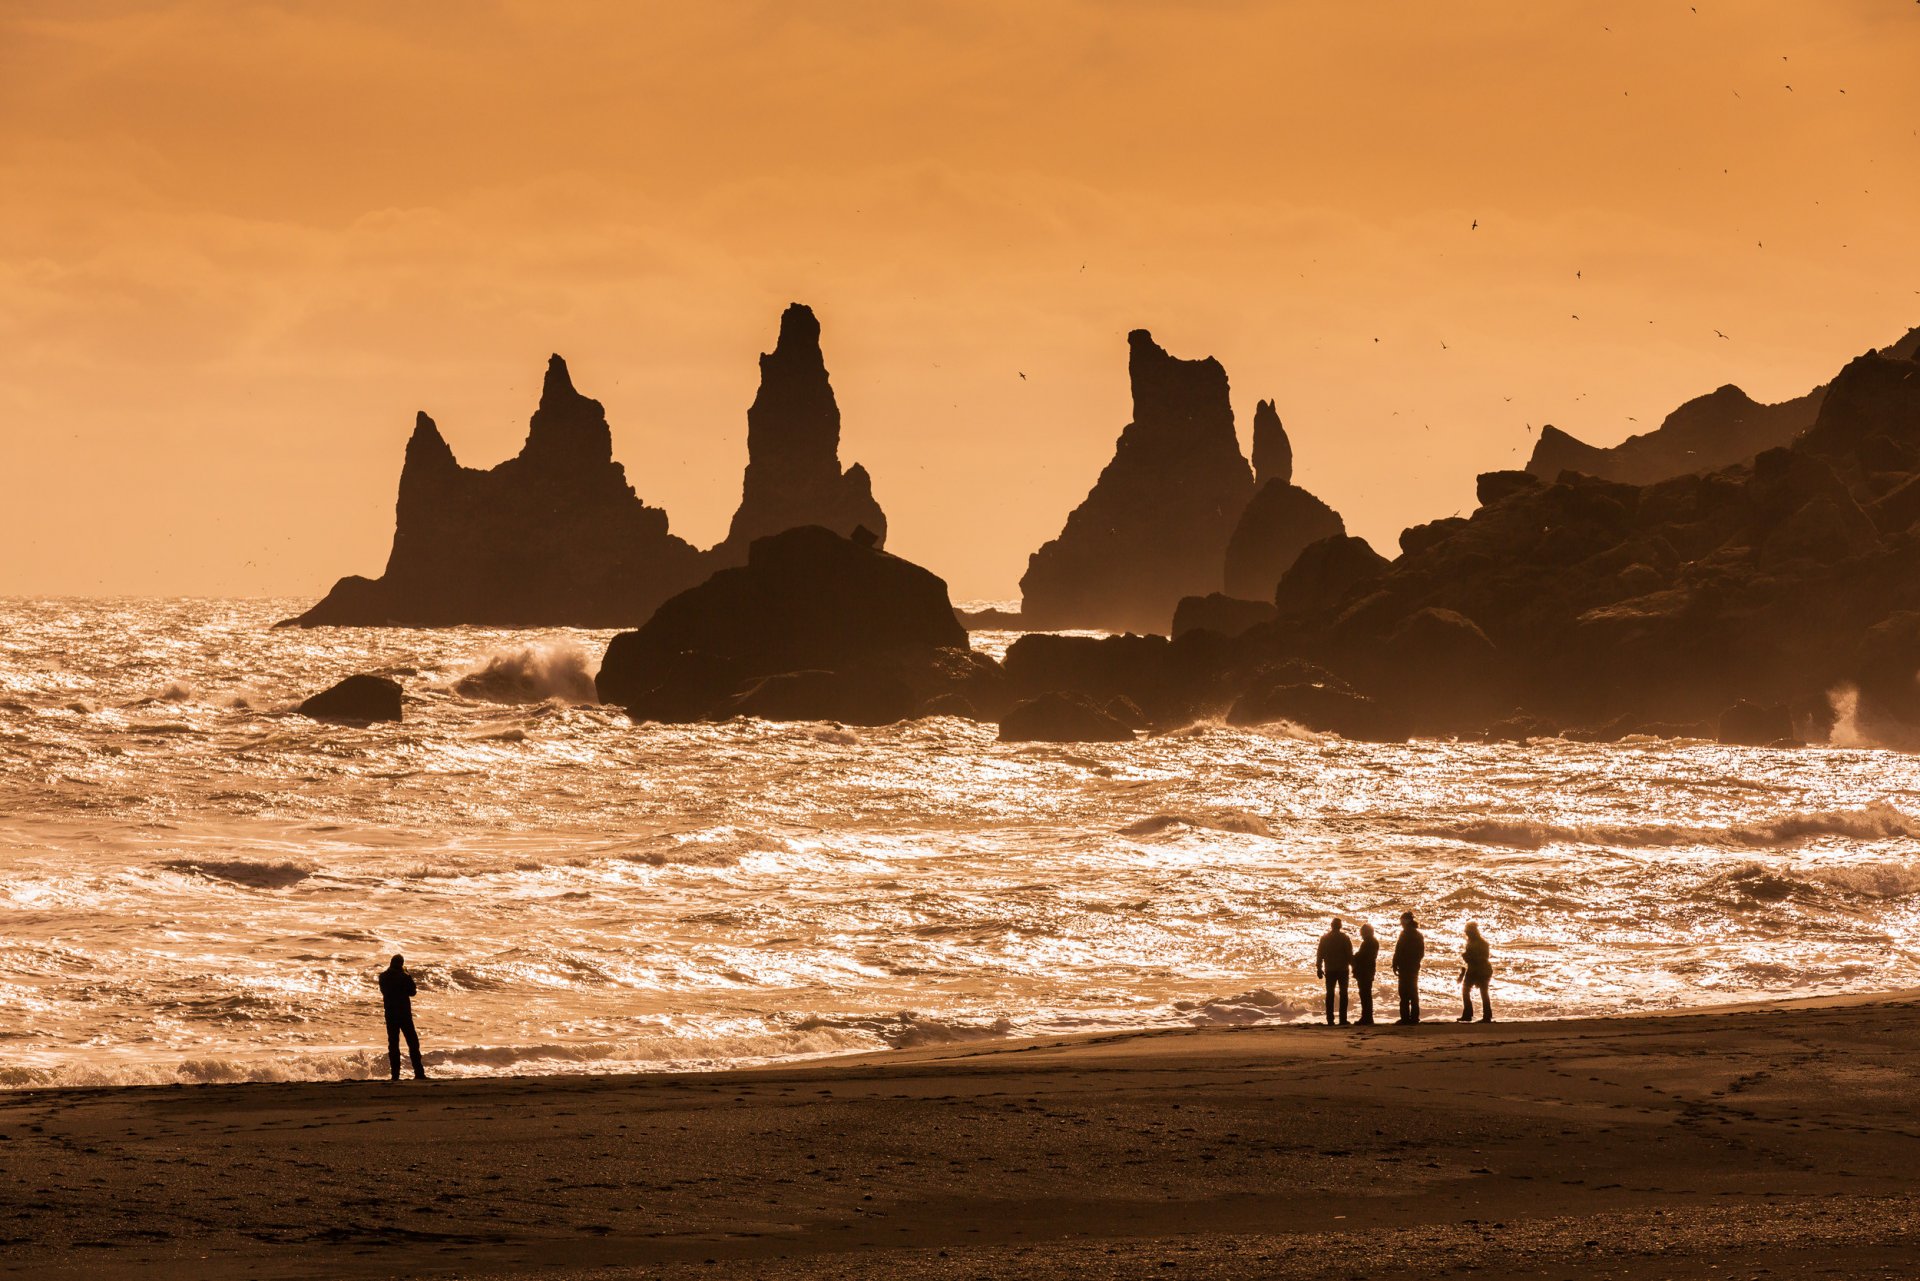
(962, 1047)
(1649, 1144)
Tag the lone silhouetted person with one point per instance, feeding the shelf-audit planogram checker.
(1366, 958)
(1477, 974)
(1408, 951)
(1334, 960)
(396, 993)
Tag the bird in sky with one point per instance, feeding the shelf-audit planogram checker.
(1476, 225)
(1023, 378)
(1718, 334)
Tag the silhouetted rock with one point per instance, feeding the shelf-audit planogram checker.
(1311, 698)
(1756, 725)
(808, 601)
(1063, 718)
(356, 700)
(1227, 615)
(793, 475)
(1417, 538)
(1709, 432)
(1156, 524)
(1326, 574)
(990, 620)
(1276, 527)
(1492, 486)
(552, 537)
(1272, 451)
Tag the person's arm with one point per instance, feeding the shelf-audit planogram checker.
(413, 989)
(1320, 961)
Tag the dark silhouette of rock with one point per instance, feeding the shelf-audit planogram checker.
(847, 627)
(357, 700)
(1756, 725)
(1272, 451)
(1709, 432)
(990, 620)
(1276, 527)
(552, 537)
(1326, 574)
(1280, 519)
(1417, 538)
(1155, 526)
(1490, 487)
(1221, 613)
(1063, 718)
(1313, 698)
(793, 475)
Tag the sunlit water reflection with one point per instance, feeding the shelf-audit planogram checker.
(196, 884)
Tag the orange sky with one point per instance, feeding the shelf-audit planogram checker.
(241, 244)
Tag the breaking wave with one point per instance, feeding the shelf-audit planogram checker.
(1876, 822)
(1216, 820)
(530, 674)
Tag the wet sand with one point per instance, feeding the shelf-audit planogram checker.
(1757, 1141)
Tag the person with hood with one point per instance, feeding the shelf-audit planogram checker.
(1477, 972)
(397, 990)
(1332, 962)
(1408, 951)
(1366, 958)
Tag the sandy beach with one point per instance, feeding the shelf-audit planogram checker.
(1753, 1141)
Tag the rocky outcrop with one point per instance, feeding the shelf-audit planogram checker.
(1707, 433)
(1155, 526)
(357, 700)
(813, 626)
(1064, 718)
(552, 537)
(1227, 615)
(793, 475)
(1281, 518)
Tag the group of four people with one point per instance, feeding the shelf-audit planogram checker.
(1338, 958)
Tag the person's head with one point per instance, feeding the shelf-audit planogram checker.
(1366, 931)
(397, 963)
(1406, 921)
(1473, 930)
(1336, 926)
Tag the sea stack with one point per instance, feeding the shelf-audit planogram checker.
(1155, 526)
(552, 537)
(793, 473)
(1281, 520)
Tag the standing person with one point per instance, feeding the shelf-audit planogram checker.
(1478, 956)
(1408, 951)
(1332, 962)
(396, 993)
(1365, 958)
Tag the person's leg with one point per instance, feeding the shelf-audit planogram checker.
(1413, 992)
(413, 1051)
(1486, 1002)
(1366, 998)
(1343, 999)
(393, 1048)
(1466, 999)
(1329, 998)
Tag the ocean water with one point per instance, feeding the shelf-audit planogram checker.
(197, 884)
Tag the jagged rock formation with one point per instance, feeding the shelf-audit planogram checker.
(1155, 526)
(1590, 607)
(552, 537)
(1063, 718)
(793, 473)
(1707, 433)
(815, 627)
(1281, 519)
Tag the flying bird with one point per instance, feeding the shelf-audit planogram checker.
(1023, 378)
(1718, 334)
(1476, 225)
